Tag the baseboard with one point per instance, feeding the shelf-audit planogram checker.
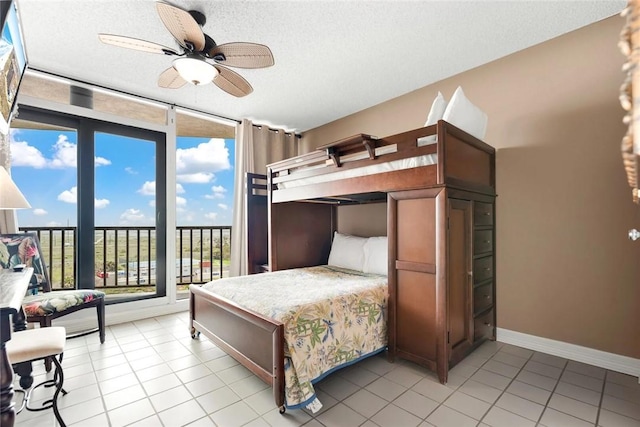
(121, 313)
(115, 318)
(603, 359)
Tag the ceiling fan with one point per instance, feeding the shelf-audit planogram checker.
(200, 60)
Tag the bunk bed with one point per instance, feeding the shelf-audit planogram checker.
(257, 226)
(439, 186)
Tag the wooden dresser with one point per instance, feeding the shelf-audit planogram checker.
(441, 273)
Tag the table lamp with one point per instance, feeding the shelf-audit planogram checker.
(10, 195)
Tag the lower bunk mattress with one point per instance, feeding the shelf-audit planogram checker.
(332, 318)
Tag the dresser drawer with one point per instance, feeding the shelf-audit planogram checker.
(482, 269)
(483, 213)
(482, 241)
(482, 297)
(483, 326)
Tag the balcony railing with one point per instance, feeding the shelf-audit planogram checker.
(125, 256)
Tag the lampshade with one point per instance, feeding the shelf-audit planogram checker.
(10, 196)
(195, 70)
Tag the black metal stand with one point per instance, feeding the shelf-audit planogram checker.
(56, 381)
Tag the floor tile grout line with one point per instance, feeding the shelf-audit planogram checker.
(564, 368)
(505, 389)
(556, 386)
(404, 392)
(478, 368)
(604, 385)
(140, 383)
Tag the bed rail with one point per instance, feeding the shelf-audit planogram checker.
(440, 154)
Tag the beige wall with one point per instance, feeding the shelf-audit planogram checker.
(565, 268)
(365, 220)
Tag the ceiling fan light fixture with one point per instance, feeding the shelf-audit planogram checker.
(195, 70)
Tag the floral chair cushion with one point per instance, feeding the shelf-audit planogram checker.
(48, 303)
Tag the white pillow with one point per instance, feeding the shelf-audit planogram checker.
(376, 251)
(437, 110)
(462, 113)
(436, 113)
(347, 251)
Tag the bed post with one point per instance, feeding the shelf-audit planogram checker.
(278, 368)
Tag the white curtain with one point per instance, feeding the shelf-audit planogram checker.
(8, 222)
(244, 163)
(271, 146)
(256, 147)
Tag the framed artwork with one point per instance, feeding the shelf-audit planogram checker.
(23, 250)
(13, 62)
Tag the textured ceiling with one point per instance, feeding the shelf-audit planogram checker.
(332, 58)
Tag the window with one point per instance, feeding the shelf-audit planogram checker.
(205, 152)
(112, 238)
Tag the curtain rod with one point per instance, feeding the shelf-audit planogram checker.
(146, 98)
(297, 135)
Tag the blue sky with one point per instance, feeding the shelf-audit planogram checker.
(43, 165)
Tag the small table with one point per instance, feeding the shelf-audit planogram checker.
(13, 287)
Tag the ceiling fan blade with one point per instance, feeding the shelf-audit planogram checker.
(181, 25)
(232, 82)
(170, 79)
(244, 55)
(136, 44)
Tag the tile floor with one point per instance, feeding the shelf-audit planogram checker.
(151, 373)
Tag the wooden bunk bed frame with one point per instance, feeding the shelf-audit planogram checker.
(301, 225)
(257, 226)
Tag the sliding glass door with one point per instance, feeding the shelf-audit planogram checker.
(118, 234)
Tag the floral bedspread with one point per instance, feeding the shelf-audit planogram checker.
(332, 318)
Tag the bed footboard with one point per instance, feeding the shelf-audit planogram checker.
(255, 341)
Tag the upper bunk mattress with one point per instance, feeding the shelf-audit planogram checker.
(394, 165)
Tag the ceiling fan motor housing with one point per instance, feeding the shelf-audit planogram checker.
(198, 17)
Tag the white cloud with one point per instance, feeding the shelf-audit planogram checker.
(130, 170)
(148, 188)
(53, 224)
(211, 156)
(152, 203)
(71, 196)
(223, 206)
(211, 215)
(181, 201)
(39, 212)
(101, 203)
(65, 155)
(132, 216)
(101, 161)
(22, 154)
(195, 178)
(218, 192)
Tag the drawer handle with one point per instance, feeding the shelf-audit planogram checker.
(487, 296)
(488, 324)
(487, 269)
(486, 241)
(487, 214)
